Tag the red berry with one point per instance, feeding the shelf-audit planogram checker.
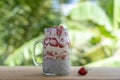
(46, 41)
(50, 54)
(61, 27)
(82, 71)
(61, 46)
(53, 42)
(62, 43)
(63, 57)
(59, 32)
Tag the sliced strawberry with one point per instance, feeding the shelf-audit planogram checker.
(61, 46)
(59, 32)
(63, 57)
(50, 54)
(61, 27)
(46, 41)
(62, 43)
(53, 42)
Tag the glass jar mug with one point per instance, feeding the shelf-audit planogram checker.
(56, 50)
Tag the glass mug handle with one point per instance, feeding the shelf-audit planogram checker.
(34, 55)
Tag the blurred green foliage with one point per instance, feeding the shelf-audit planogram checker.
(21, 21)
(91, 28)
(108, 6)
(92, 32)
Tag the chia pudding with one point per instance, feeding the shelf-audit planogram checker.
(56, 51)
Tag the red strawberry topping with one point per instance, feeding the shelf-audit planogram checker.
(59, 32)
(50, 54)
(63, 57)
(61, 46)
(82, 71)
(61, 27)
(46, 41)
(61, 43)
(53, 42)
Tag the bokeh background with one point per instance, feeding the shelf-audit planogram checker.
(93, 29)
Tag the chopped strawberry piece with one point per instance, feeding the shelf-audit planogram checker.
(59, 32)
(63, 57)
(51, 54)
(46, 41)
(61, 27)
(61, 46)
(62, 43)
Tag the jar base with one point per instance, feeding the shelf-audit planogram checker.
(51, 74)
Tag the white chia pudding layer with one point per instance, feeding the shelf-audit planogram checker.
(56, 66)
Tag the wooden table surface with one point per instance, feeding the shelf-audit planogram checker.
(35, 73)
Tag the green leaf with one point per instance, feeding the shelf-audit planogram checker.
(87, 11)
